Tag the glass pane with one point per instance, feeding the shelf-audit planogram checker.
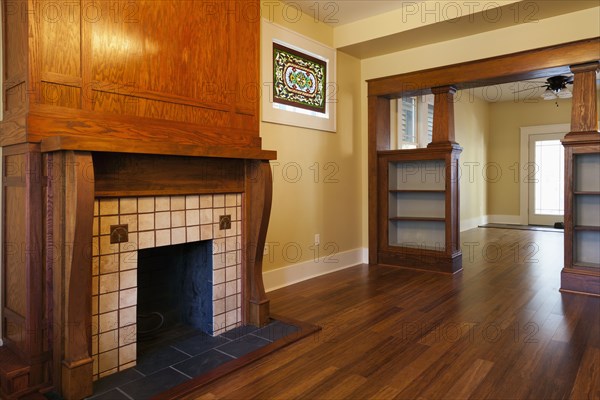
(408, 120)
(549, 185)
(429, 122)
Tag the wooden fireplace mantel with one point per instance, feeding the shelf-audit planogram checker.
(76, 173)
(121, 105)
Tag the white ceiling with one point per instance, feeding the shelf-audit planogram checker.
(340, 12)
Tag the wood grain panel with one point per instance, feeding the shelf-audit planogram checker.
(46, 121)
(164, 109)
(129, 175)
(60, 95)
(14, 166)
(12, 127)
(15, 37)
(59, 41)
(143, 45)
(14, 250)
(15, 96)
(245, 43)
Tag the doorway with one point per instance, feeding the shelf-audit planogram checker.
(542, 174)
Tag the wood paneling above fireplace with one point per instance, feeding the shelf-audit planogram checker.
(133, 65)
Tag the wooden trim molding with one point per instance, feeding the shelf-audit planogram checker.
(584, 112)
(530, 64)
(258, 199)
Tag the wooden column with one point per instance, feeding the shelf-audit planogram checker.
(582, 141)
(379, 139)
(258, 198)
(584, 112)
(70, 213)
(443, 117)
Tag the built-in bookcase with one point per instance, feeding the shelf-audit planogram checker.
(417, 204)
(582, 216)
(586, 210)
(419, 209)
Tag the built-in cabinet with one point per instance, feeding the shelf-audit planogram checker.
(418, 209)
(581, 271)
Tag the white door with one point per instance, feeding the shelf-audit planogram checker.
(546, 179)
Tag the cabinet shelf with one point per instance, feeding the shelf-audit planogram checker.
(586, 265)
(587, 228)
(424, 219)
(417, 191)
(586, 193)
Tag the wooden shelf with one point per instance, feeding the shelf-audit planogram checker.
(422, 219)
(417, 191)
(586, 228)
(578, 264)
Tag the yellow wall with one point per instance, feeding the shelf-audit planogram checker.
(326, 197)
(472, 133)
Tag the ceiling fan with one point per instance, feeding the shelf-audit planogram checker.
(556, 87)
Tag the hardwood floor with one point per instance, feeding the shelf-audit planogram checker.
(498, 330)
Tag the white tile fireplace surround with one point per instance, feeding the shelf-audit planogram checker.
(155, 222)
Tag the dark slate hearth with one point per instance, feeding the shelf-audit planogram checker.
(164, 368)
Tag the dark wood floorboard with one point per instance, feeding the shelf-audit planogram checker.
(498, 330)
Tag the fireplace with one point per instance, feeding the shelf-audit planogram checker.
(144, 113)
(174, 245)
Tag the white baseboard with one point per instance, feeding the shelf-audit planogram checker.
(295, 273)
(504, 219)
(466, 224)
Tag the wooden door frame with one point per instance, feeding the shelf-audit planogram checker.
(530, 64)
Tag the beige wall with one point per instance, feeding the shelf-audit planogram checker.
(316, 177)
(472, 133)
